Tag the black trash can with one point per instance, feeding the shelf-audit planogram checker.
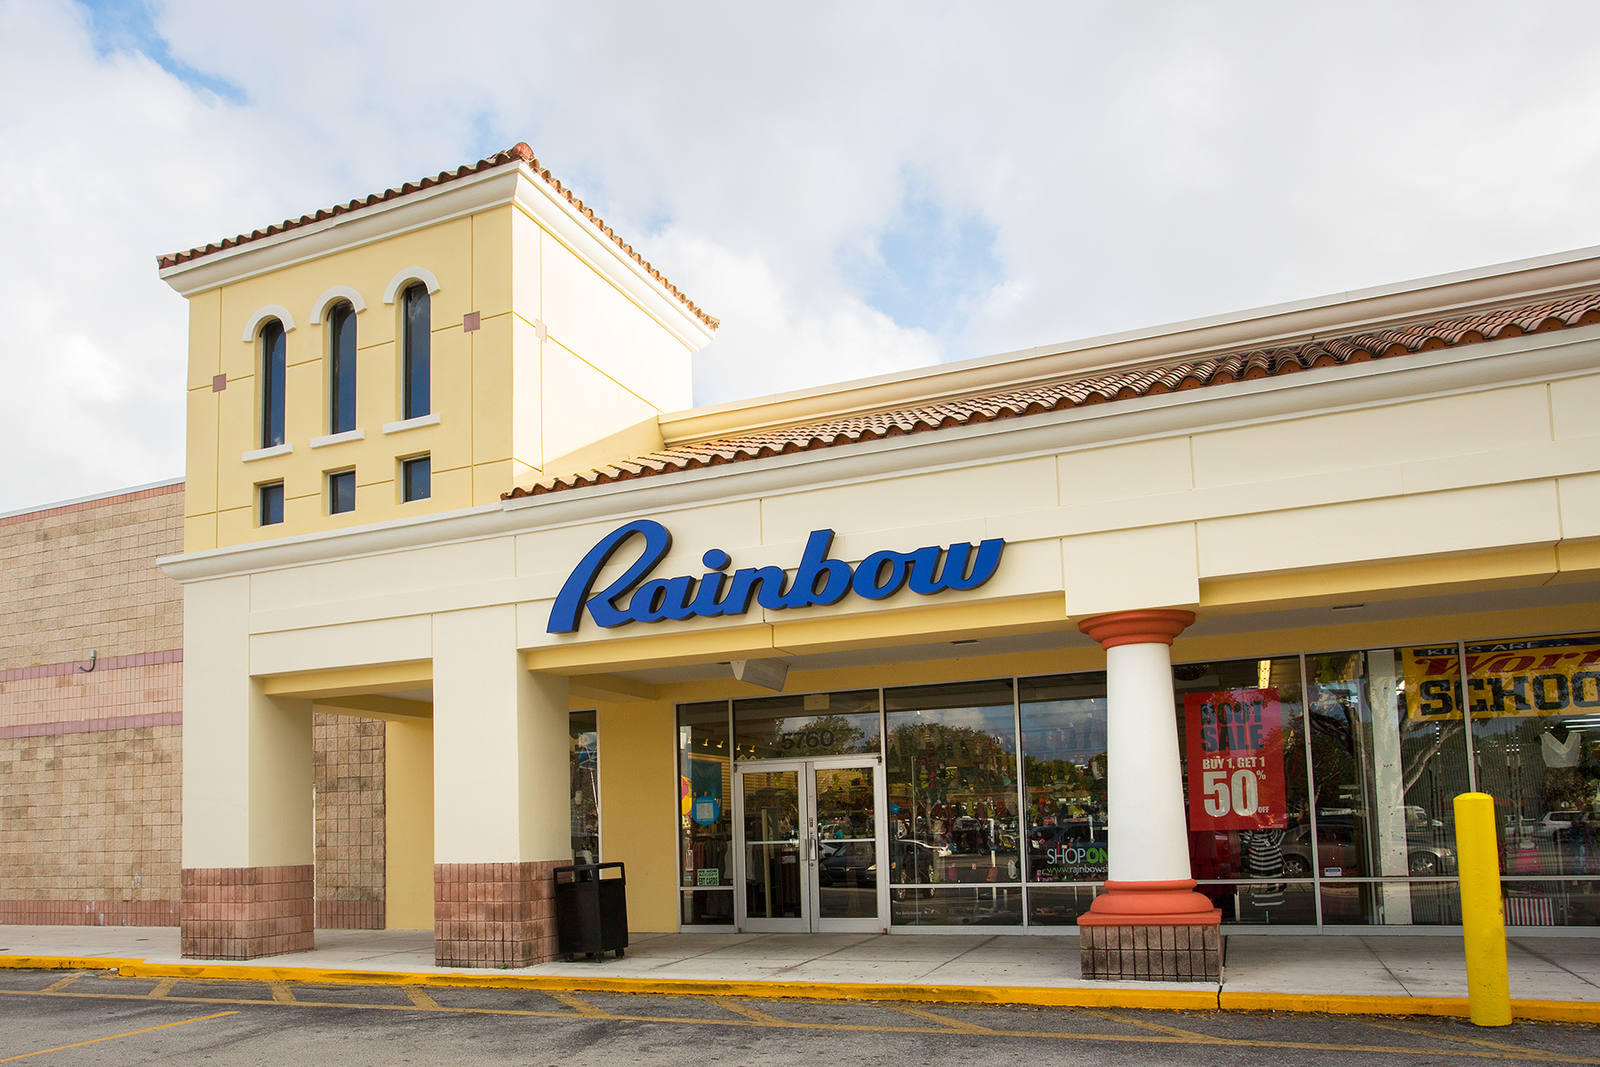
(591, 910)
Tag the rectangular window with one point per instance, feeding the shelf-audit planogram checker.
(269, 504)
(416, 478)
(341, 492)
(1388, 752)
(953, 798)
(1535, 708)
(1244, 764)
(585, 758)
(705, 775)
(1064, 811)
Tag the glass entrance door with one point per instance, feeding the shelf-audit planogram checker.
(811, 846)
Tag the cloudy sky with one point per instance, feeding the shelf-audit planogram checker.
(853, 188)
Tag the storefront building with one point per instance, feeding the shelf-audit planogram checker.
(1198, 625)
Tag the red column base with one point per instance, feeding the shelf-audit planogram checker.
(1170, 903)
(494, 914)
(241, 913)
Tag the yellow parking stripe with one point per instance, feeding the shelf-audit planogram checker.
(280, 992)
(581, 1006)
(421, 999)
(114, 1037)
(162, 988)
(1499, 1046)
(959, 1026)
(754, 1013)
(61, 983)
(1170, 1031)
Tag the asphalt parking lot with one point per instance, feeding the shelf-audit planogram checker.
(55, 1017)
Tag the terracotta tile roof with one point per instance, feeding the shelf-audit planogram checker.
(517, 153)
(1100, 388)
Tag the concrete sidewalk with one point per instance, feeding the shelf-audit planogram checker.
(1551, 977)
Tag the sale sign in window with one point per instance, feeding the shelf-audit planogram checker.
(1235, 745)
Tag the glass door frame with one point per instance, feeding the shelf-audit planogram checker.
(811, 920)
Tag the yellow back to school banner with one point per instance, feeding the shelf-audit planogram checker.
(1532, 676)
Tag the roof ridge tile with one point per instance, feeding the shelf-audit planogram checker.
(518, 153)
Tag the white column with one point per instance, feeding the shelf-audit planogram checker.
(1148, 879)
(247, 765)
(501, 790)
(1149, 841)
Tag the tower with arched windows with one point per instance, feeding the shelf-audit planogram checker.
(425, 349)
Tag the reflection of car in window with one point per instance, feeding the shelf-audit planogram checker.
(1340, 854)
(855, 863)
(1556, 821)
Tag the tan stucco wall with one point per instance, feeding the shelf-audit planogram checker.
(408, 827)
(1280, 502)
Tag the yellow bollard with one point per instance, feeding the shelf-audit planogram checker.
(1483, 920)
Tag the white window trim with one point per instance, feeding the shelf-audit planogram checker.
(337, 292)
(410, 274)
(338, 438)
(327, 490)
(402, 461)
(266, 453)
(412, 424)
(270, 311)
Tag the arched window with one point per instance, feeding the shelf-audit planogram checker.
(341, 368)
(272, 380)
(415, 348)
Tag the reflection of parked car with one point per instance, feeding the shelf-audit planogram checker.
(917, 861)
(1556, 821)
(1340, 854)
(849, 863)
(855, 863)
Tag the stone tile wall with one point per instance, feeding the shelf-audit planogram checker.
(89, 827)
(82, 578)
(494, 914)
(91, 760)
(240, 913)
(349, 776)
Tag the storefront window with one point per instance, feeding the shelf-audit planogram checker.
(584, 754)
(1535, 706)
(705, 768)
(801, 727)
(1064, 790)
(953, 798)
(1245, 781)
(1388, 751)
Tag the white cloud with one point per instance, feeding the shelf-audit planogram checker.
(1134, 164)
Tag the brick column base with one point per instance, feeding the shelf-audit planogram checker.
(494, 914)
(240, 913)
(1152, 953)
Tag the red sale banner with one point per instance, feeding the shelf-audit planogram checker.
(1235, 744)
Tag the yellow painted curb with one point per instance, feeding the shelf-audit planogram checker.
(1555, 1011)
(65, 963)
(1037, 996)
(1344, 1004)
(1204, 999)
